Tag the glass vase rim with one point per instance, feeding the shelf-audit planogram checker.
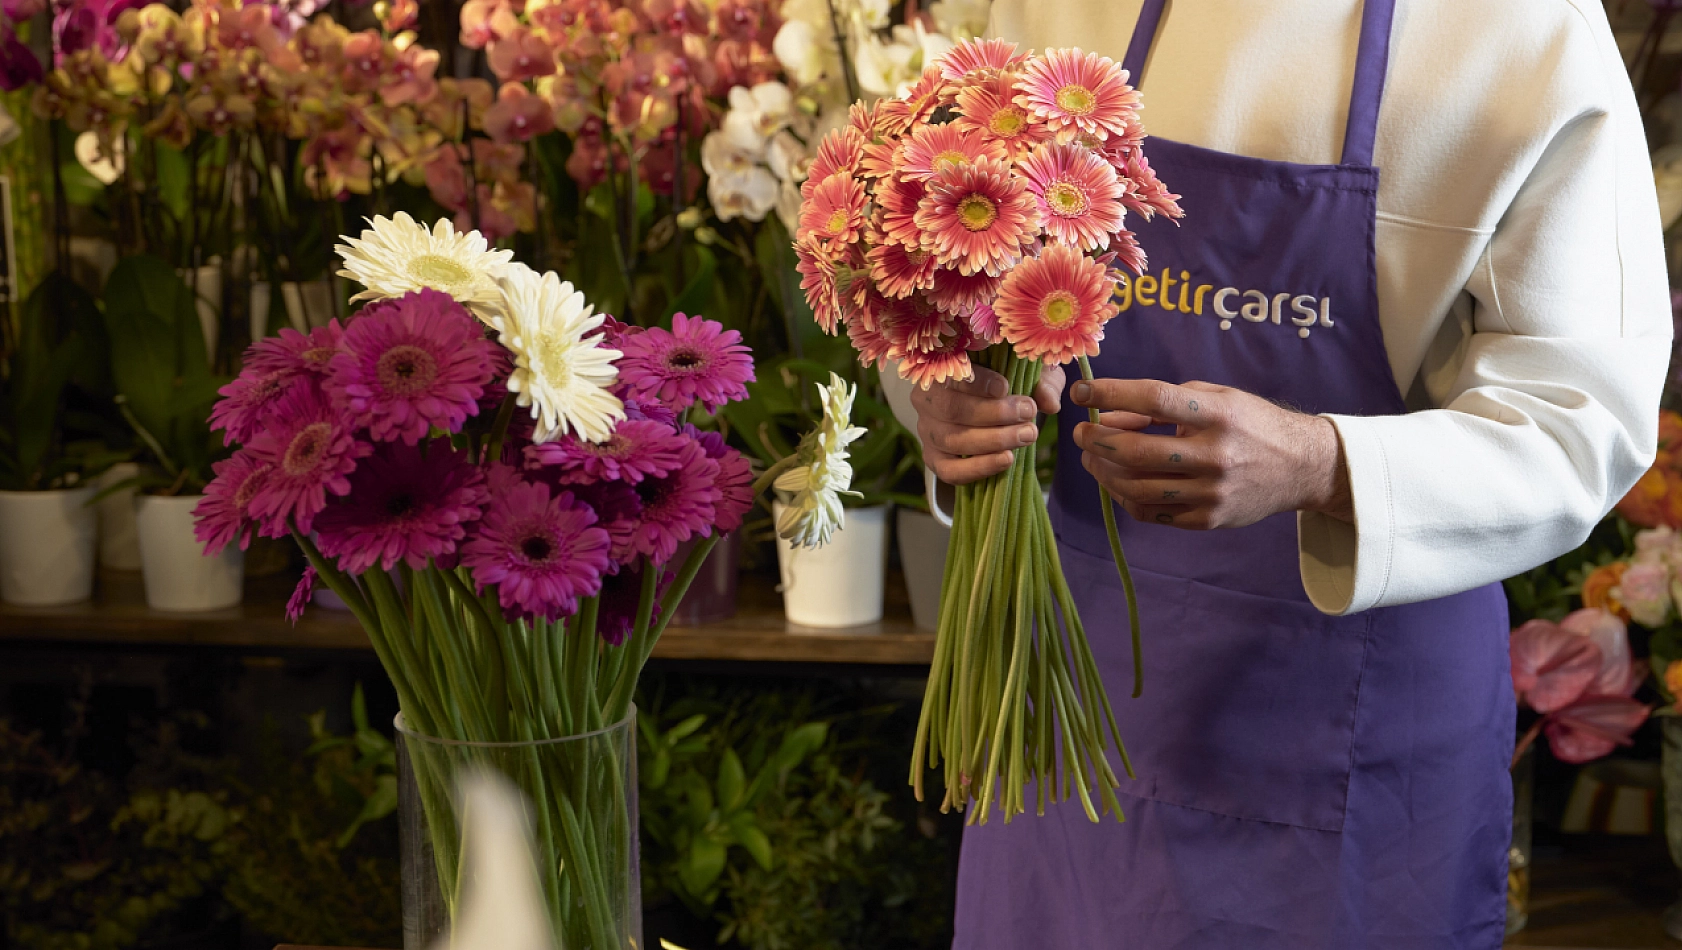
(621, 725)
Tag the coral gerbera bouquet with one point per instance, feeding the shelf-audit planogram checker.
(982, 216)
(498, 482)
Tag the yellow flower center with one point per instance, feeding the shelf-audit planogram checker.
(553, 365)
(1075, 99)
(438, 271)
(948, 158)
(1065, 199)
(1007, 121)
(1058, 309)
(977, 212)
(837, 221)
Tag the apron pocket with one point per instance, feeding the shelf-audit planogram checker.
(1249, 702)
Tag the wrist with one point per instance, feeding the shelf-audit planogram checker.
(1327, 473)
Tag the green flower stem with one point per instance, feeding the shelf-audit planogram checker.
(763, 482)
(1108, 505)
(642, 644)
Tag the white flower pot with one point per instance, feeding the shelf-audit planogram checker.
(206, 284)
(258, 315)
(308, 304)
(839, 584)
(119, 546)
(47, 541)
(178, 575)
(922, 553)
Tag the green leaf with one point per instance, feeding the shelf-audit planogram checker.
(699, 290)
(731, 780)
(49, 350)
(158, 357)
(380, 803)
(705, 863)
(685, 728)
(172, 178)
(754, 842)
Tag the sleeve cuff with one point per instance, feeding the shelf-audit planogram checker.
(1346, 567)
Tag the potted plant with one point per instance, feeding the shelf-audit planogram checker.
(49, 454)
(165, 391)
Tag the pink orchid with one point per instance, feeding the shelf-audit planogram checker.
(518, 116)
(446, 179)
(521, 55)
(485, 21)
(410, 77)
(365, 61)
(497, 162)
(243, 28)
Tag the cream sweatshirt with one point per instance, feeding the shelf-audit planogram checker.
(1521, 273)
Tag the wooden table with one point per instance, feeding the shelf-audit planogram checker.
(118, 616)
(1600, 892)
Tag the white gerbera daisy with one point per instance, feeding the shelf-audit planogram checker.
(822, 475)
(398, 255)
(561, 370)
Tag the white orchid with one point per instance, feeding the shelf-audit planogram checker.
(961, 19)
(767, 107)
(805, 49)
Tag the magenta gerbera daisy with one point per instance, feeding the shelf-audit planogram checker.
(677, 506)
(735, 479)
(978, 55)
(833, 214)
(294, 352)
(618, 510)
(697, 360)
(1075, 92)
(900, 271)
(1053, 307)
(411, 363)
(839, 153)
(541, 553)
(224, 513)
(648, 409)
(989, 109)
(405, 506)
(248, 402)
(934, 148)
(955, 293)
(621, 597)
(898, 199)
(311, 453)
(634, 451)
(301, 595)
(1078, 194)
(977, 217)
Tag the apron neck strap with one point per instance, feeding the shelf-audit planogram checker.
(1372, 60)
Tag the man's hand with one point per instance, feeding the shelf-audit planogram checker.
(969, 429)
(1235, 457)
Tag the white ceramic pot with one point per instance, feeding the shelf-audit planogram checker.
(206, 284)
(47, 541)
(258, 315)
(178, 575)
(922, 553)
(839, 584)
(119, 546)
(308, 304)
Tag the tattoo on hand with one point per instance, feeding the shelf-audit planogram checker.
(1175, 458)
(1193, 406)
(1171, 493)
(1106, 446)
(1165, 518)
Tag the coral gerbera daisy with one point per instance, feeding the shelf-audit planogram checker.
(1078, 92)
(410, 363)
(1053, 307)
(311, 452)
(895, 117)
(1145, 194)
(984, 324)
(913, 325)
(635, 450)
(223, 514)
(678, 505)
(900, 271)
(878, 159)
(697, 360)
(978, 217)
(841, 151)
(946, 361)
(959, 293)
(934, 148)
(561, 370)
(542, 553)
(405, 506)
(1078, 194)
(989, 109)
(398, 255)
(294, 352)
(978, 55)
(833, 212)
(822, 280)
(872, 345)
(898, 200)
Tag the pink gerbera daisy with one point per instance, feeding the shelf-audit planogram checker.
(405, 506)
(954, 292)
(248, 402)
(697, 360)
(984, 323)
(634, 451)
(989, 109)
(294, 352)
(677, 506)
(913, 325)
(978, 55)
(224, 513)
(411, 363)
(301, 595)
(833, 213)
(898, 200)
(1053, 307)
(1145, 194)
(934, 148)
(311, 453)
(541, 553)
(1075, 92)
(946, 361)
(895, 117)
(839, 153)
(900, 271)
(977, 217)
(735, 479)
(1078, 194)
(872, 345)
(878, 159)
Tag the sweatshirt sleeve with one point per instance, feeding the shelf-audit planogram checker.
(1549, 413)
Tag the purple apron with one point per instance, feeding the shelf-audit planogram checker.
(1305, 782)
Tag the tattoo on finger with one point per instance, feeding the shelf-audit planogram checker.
(1193, 405)
(1164, 517)
(1175, 458)
(1171, 493)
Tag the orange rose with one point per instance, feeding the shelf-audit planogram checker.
(1670, 441)
(1653, 502)
(1598, 586)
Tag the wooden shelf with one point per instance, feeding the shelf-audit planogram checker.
(118, 616)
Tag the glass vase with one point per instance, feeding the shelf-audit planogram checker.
(582, 791)
(1518, 853)
(712, 595)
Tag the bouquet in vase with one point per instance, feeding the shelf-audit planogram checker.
(496, 480)
(981, 216)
